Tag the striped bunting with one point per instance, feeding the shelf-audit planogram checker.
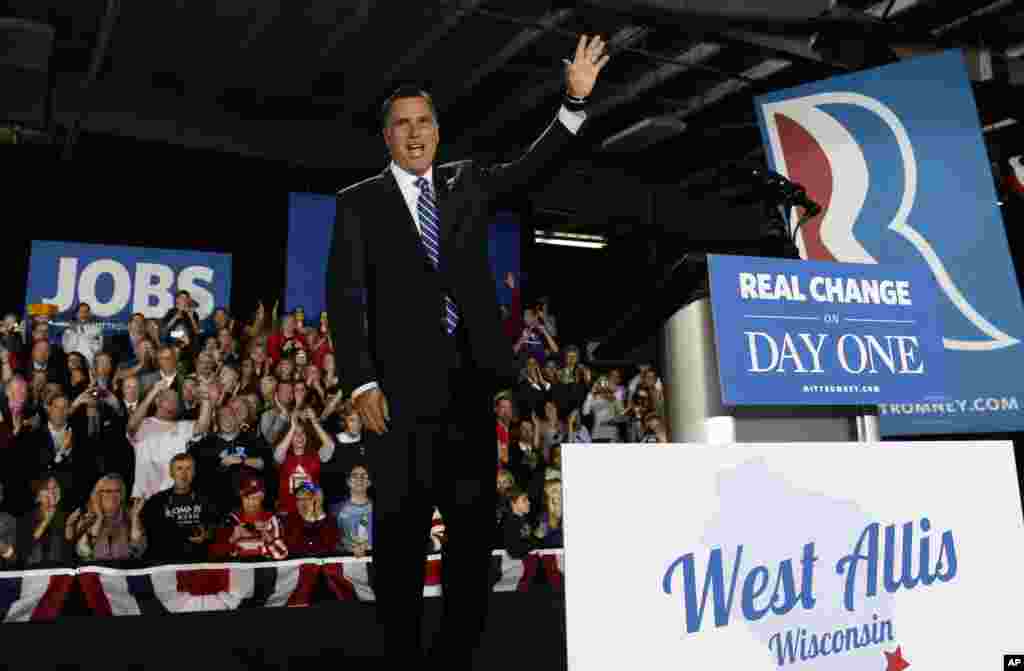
(34, 596)
(186, 588)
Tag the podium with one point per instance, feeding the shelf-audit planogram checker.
(693, 396)
(679, 312)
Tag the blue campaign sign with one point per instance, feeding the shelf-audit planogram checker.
(902, 184)
(116, 281)
(819, 333)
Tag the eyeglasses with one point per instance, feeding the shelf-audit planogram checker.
(359, 476)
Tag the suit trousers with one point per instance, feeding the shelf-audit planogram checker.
(447, 461)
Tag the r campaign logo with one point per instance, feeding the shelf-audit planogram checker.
(830, 598)
(868, 149)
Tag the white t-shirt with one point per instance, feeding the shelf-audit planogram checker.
(156, 442)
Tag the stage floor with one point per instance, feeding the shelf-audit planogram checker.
(524, 630)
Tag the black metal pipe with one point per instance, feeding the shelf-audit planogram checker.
(99, 53)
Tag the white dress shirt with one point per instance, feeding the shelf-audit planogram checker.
(407, 185)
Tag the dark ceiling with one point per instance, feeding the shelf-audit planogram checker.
(301, 83)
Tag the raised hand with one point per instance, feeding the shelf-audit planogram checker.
(581, 74)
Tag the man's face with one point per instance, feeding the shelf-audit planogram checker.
(182, 301)
(204, 364)
(615, 378)
(504, 482)
(137, 324)
(224, 339)
(41, 351)
(258, 354)
(166, 361)
(503, 409)
(241, 409)
(104, 365)
(412, 135)
(58, 410)
(182, 472)
(650, 378)
(288, 326)
(526, 432)
(84, 312)
(131, 389)
(299, 389)
(359, 481)
(286, 394)
(228, 420)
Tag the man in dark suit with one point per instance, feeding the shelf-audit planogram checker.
(414, 315)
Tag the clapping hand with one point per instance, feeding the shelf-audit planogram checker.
(581, 73)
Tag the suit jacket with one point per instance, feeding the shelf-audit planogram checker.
(378, 274)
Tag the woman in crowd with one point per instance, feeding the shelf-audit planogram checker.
(43, 534)
(549, 525)
(309, 532)
(109, 530)
(251, 531)
(299, 456)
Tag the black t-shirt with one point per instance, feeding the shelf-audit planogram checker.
(170, 519)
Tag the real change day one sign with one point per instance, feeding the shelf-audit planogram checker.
(802, 557)
(794, 332)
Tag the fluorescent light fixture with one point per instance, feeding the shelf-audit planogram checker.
(580, 240)
(1000, 124)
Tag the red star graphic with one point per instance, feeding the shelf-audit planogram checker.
(895, 660)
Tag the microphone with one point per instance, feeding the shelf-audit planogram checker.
(793, 193)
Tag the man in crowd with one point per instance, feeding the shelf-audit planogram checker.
(160, 437)
(179, 520)
(409, 260)
(226, 457)
(84, 335)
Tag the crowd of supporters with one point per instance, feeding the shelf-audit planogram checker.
(187, 440)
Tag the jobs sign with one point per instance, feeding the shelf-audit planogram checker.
(117, 281)
(819, 333)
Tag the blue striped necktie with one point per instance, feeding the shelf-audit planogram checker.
(426, 208)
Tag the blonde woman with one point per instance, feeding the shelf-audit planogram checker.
(110, 530)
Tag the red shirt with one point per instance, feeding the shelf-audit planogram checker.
(276, 342)
(295, 470)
